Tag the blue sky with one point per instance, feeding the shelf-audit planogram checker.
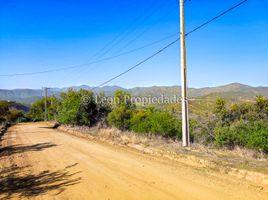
(49, 34)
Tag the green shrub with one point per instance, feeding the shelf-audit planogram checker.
(68, 109)
(14, 115)
(225, 136)
(156, 122)
(81, 108)
(122, 111)
(139, 122)
(124, 116)
(253, 135)
(9, 113)
(37, 110)
(120, 118)
(261, 108)
(4, 110)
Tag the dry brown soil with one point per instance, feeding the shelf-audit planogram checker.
(38, 162)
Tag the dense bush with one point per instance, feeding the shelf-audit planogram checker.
(156, 122)
(81, 108)
(120, 118)
(72, 107)
(243, 124)
(10, 113)
(37, 110)
(253, 135)
(126, 117)
(4, 110)
(139, 122)
(14, 115)
(122, 111)
(68, 109)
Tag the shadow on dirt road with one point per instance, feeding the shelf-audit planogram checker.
(14, 149)
(20, 182)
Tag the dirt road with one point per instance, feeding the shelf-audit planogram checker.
(38, 162)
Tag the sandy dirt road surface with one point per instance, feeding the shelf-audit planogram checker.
(37, 162)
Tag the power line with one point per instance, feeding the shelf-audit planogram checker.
(112, 43)
(170, 44)
(109, 46)
(128, 32)
(131, 51)
(140, 35)
(122, 37)
(218, 16)
(125, 53)
(96, 61)
(140, 63)
(101, 52)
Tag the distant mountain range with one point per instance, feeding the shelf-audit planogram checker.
(234, 91)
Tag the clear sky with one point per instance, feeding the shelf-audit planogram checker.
(48, 34)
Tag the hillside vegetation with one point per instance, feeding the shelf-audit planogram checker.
(227, 124)
(12, 112)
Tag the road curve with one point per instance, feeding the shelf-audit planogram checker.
(37, 162)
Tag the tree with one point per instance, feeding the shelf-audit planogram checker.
(122, 111)
(81, 108)
(69, 106)
(244, 125)
(4, 110)
(220, 110)
(261, 107)
(37, 110)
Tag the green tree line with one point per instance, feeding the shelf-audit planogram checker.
(239, 124)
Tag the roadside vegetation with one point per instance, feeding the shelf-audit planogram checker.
(11, 112)
(242, 124)
(228, 125)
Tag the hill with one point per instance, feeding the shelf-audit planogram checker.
(232, 91)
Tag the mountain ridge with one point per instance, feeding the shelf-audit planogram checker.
(232, 90)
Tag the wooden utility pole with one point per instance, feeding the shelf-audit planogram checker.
(45, 92)
(184, 101)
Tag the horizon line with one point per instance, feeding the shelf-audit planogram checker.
(128, 88)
